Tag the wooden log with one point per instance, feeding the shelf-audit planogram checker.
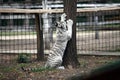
(31, 11)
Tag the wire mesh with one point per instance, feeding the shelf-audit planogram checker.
(96, 32)
(18, 35)
(100, 33)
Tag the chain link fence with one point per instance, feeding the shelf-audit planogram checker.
(17, 34)
(96, 32)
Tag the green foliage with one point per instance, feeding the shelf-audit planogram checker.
(24, 58)
(115, 50)
(14, 33)
(5, 69)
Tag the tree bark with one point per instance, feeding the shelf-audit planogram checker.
(40, 46)
(70, 55)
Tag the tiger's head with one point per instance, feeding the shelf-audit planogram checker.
(61, 25)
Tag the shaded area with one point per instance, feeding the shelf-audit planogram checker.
(107, 72)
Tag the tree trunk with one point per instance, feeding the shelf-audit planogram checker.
(70, 55)
(40, 46)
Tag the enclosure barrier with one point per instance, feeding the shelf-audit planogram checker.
(93, 36)
(13, 10)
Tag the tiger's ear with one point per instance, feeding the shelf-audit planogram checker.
(63, 17)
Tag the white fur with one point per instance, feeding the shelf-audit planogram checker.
(69, 25)
(63, 35)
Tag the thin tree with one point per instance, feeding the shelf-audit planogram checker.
(70, 55)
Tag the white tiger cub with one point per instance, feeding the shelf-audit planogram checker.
(63, 35)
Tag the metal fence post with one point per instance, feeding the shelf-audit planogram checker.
(96, 26)
(40, 46)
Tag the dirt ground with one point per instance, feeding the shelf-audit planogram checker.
(13, 71)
